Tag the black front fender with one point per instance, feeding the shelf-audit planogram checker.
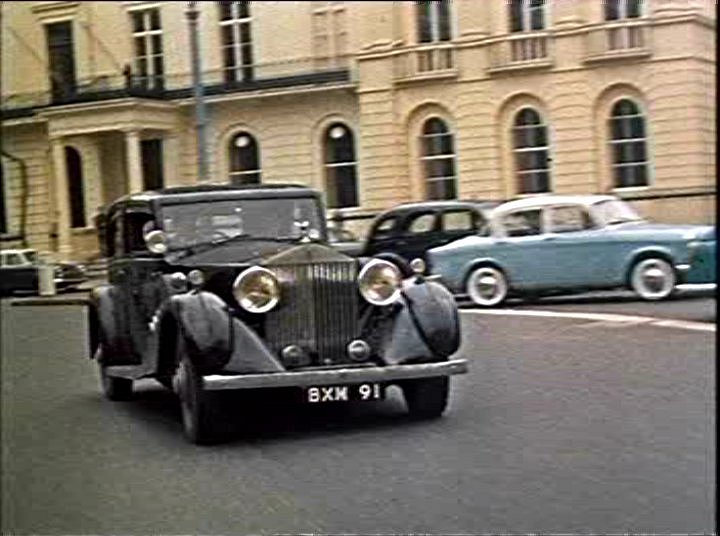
(105, 322)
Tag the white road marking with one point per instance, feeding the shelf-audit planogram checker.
(599, 317)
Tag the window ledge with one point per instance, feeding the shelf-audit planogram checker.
(544, 63)
(10, 237)
(615, 55)
(429, 76)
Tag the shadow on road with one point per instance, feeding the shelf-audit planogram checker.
(275, 415)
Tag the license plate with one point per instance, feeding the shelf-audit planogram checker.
(344, 393)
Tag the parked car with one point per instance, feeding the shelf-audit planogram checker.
(410, 229)
(20, 272)
(561, 244)
(345, 241)
(220, 287)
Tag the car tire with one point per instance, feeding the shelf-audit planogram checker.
(652, 279)
(487, 286)
(195, 405)
(116, 389)
(426, 398)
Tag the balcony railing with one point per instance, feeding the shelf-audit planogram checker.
(521, 50)
(425, 61)
(216, 81)
(618, 40)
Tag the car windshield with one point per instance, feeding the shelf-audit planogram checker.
(206, 222)
(612, 211)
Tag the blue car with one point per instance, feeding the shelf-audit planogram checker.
(564, 244)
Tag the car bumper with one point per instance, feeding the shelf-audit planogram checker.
(389, 374)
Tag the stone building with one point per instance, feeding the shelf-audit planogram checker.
(374, 103)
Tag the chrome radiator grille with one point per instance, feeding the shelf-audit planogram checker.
(318, 310)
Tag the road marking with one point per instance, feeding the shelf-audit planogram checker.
(599, 317)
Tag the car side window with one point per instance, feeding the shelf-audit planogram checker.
(523, 223)
(459, 220)
(568, 219)
(422, 223)
(384, 227)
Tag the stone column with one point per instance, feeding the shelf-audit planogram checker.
(62, 198)
(133, 161)
(171, 159)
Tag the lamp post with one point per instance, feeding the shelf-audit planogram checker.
(193, 15)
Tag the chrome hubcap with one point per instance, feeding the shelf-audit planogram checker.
(487, 286)
(653, 279)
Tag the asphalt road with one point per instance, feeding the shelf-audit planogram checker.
(563, 425)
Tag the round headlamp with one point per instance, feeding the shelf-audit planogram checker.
(156, 241)
(257, 290)
(380, 282)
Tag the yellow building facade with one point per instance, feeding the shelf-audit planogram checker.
(374, 103)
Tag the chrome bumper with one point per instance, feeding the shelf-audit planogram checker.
(215, 382)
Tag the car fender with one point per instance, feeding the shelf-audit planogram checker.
(426, 327)
(104, 324)
(214, 340)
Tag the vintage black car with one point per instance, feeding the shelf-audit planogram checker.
(410, 229)
(218, 287)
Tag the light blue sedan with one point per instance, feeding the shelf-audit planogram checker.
(563, 244)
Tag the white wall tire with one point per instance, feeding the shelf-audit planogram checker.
(652, 279)
(487, 286)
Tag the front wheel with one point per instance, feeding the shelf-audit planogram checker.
(652, 279)
(487, 286)
(195, 406)
(426, 398)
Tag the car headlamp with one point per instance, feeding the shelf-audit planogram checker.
(256, 290)
(380, 282)
(156, 241)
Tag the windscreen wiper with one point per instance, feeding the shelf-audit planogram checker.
(201, 247)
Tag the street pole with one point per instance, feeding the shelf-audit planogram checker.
(193, 15)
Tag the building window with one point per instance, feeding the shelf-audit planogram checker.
(340, 167)
(438, 160)
(147, 39)
(151, 157)
(433, 21)
(244, 159)
(622, 9)
(236, 41)
(527, 15)
(61, 60)
(628, 142)
(531, 148)
(329, 31)
(73, 165)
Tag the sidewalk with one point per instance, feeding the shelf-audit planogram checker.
(77, 296)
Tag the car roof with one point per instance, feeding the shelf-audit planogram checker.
(203, 192)
(16, 250)
(546, 200)
(450, 203)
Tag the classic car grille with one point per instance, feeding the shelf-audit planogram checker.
(318, 310)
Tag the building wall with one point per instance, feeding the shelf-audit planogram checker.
(673, 81)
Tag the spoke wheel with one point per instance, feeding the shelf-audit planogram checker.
(426, 398)
(195, 405)
(653, 279)
(487, 286)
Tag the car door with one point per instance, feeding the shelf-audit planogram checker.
(522, 248)
(18, 274)
(419, 232)
(573, 238)
(456, 223)
(383, 235)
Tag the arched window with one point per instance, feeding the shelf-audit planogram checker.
(73, 165)
(531, 148)
(438, 160)
(340, 167)
(628, 143)
(527, 15)
(244, 159)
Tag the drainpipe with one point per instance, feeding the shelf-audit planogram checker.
(193, 15)
(23, 195)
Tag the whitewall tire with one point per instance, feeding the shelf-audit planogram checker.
(487, 286)
(653, 279)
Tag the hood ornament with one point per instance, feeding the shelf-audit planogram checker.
(303, 228)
